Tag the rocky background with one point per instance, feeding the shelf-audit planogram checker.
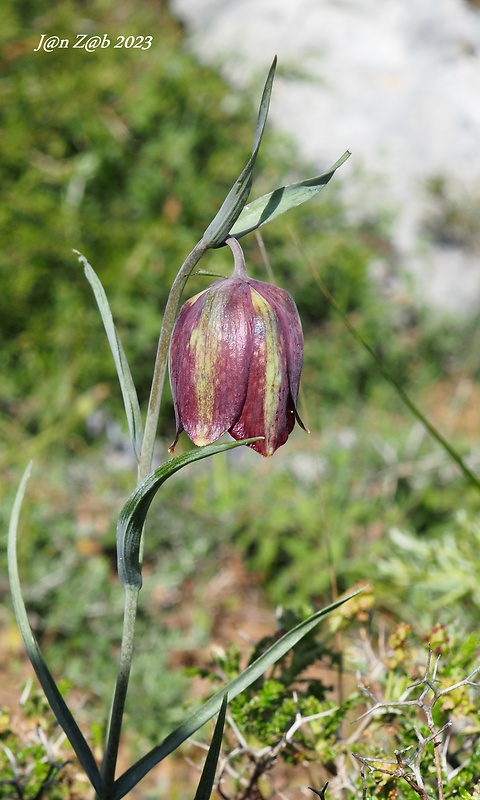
(398, 83)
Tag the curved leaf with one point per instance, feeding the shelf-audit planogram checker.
(235, 200)
(55, 699)
(132, 776)
(133, 514)
(127, 386)
(271, 205)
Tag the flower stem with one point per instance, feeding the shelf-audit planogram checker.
(118, 705)
(169, 317)
(240, 268)
(144, 467)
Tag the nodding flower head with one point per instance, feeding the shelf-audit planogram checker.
(235, 361)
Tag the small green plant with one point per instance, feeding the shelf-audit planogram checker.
(407, 725)
(427, 709)
(292, 713)
(33, 761)
(250, 331)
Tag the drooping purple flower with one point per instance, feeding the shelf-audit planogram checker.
(235, 361)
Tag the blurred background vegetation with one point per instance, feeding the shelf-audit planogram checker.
(126, 155)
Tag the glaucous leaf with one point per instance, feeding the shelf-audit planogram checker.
(271, 205)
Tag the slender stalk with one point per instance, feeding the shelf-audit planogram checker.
(240, 268)
(118, 705)
(145, 462)
(169, 317)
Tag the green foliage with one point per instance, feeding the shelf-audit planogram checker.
(412, 690)
(33, 761)
(279, 716)
(450, 582)
(100, 152)
(422, 695)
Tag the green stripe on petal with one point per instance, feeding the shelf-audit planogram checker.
(265, 407)
(205, 353)
(273, 369)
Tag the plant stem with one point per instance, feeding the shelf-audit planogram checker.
(144, 467)
(118, 704)
(240, 270)
(169, 317)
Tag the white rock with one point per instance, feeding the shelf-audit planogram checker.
(395, 81)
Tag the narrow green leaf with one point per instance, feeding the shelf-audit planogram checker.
(55, 699)
(235, 200)
(264, 106)
(132, 776)
(271, 205)
(127, 386)
(205, 784)
(133, 514)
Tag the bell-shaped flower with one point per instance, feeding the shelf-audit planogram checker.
(235, 361)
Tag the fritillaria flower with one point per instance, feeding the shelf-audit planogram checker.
(235, 361)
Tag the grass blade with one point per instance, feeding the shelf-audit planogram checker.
(271, 205)
(205, 784)
(55, 699)
(235, 200)
(127, 386)
(132, 776)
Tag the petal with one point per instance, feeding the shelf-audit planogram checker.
(210, 354)
(268, 410)
(291, 329)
